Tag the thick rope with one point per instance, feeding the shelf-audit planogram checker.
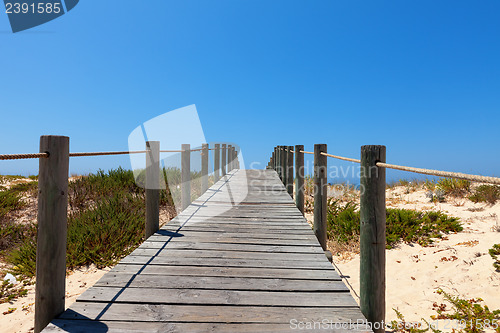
(46, 155)
(23, 156)
(104, 153)
(430, 172)
(474, 178)
(342, 158)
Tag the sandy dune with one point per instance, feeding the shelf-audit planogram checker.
(459, 264)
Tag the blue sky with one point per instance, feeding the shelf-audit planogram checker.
(421, 77)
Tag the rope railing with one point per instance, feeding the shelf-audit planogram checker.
(342, 158)
(430, 172)
(52, 215)
(372, 208)
(449, 174)
(103, 153)
(23, 156)
(107, 153)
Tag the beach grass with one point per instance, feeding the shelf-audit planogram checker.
(106, 221)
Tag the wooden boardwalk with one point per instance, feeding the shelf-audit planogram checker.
(241, 258)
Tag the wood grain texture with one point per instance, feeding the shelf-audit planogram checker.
(85, 326)
(372, 234)
(52, 229)
(152, 187)
(241, 258)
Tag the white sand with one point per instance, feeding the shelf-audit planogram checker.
(22, 319)
(459, 264)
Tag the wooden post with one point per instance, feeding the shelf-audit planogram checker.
(217, 162)
(237, 159)
(186, 175)
(229, 158)
(285, 160)
(278, 161)
(276, 158)
(283, 164)
(289, 172)
(223, 159)
(233, 158)
(320, 192)
(52, 229)
(299, 178)
(372, 235)
(152, 187)
(204, 167)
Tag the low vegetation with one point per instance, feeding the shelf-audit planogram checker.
(11, 201)
(402, 225)
(454, 187)
(486, 193)
(106, 220)
(495, 255)
(461, 315)
(9, 291)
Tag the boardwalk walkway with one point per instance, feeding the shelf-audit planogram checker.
(241, 258)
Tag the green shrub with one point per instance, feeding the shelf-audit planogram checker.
(343, 221)
(107, 232)
(29, 188)
(11, 233)
(413, 226)
(430, 184)
(23, 259)
(105, 223)
(86, 191)
(486, 193)
(401, 224)
(10, 201)
(470, 312)
(9, 178)
(9, 291)
(469, 316)
(454, 187)
(494, 253)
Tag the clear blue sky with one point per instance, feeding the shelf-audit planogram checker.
(421, 77)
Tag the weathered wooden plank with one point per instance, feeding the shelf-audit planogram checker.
(221, 218)
(288, 273)
(217, 297)
(230, 240)
(225, 262)
(262, 221)
(224, 283)
(207, 313)
(227, 254)
(275, 229)
(231, 247)
(85, 326)
(206, 213)
(221, 235)
(222, 266)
